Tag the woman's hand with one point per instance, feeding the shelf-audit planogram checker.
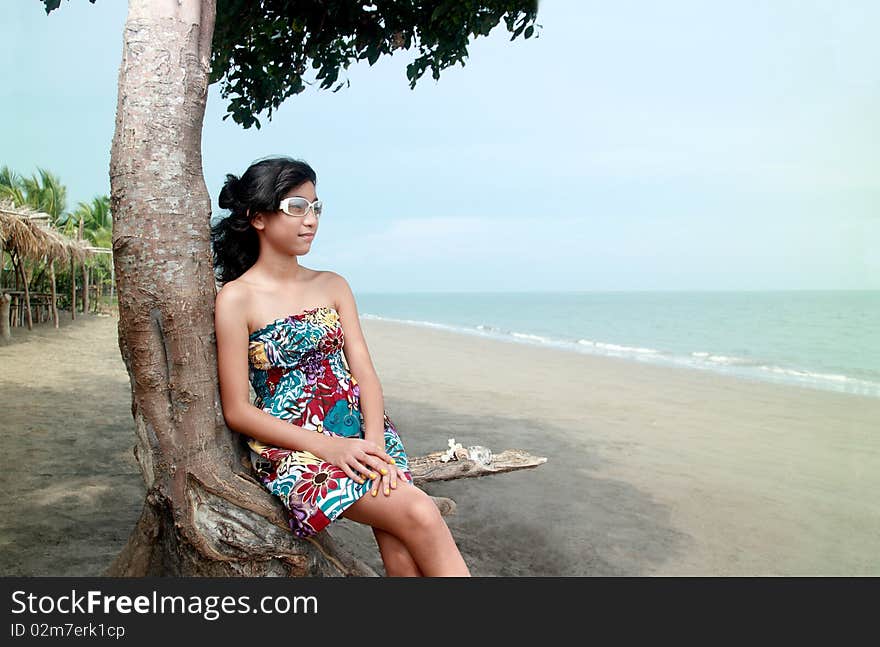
(359, 459)
(389, 481)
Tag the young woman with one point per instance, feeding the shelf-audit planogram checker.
(319, 435)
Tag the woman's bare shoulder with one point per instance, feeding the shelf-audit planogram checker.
(329, 278)
(233, 296)
(332, 285)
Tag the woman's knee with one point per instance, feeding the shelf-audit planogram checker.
(408, 512)
(422, 513)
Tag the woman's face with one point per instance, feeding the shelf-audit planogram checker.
(293, 233)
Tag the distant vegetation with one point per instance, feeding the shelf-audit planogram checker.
(44, 192)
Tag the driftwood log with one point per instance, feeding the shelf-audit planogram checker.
(252, 537)
(430, 468)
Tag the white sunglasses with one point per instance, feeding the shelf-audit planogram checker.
(299, 207)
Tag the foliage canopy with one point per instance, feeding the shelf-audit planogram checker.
(263, 49)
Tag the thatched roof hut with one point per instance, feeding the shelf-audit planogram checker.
(28, 235)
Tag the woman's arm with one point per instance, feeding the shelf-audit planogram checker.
(359, 363)
(241, 415)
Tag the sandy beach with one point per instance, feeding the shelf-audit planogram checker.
(650, 471)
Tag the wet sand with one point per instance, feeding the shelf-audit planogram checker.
(651, 470)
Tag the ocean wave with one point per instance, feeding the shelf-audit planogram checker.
(732, 365)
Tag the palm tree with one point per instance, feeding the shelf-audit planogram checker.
(11, 186)
(46, 193)
(95, 216)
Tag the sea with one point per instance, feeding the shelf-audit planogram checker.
(822, 339)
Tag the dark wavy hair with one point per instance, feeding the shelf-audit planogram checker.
(262, 186)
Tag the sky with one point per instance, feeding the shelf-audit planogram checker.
(631, 146)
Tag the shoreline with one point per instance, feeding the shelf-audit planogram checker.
(662, 359)
(651, 470)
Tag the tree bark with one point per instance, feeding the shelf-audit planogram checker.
(203, 515)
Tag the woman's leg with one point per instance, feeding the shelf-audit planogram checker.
(395, 555)
(412, 517)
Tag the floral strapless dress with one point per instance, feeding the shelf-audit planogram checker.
(299, 374)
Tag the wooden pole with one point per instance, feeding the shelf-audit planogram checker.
(72, 288)
(27, 295)
(79, 236)
(85, 288)
(4, 298)
(5, 334)
(53, 306)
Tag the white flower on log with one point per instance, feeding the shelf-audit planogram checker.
(455, 452)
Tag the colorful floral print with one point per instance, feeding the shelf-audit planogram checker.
(316, 479)
(299, 374)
